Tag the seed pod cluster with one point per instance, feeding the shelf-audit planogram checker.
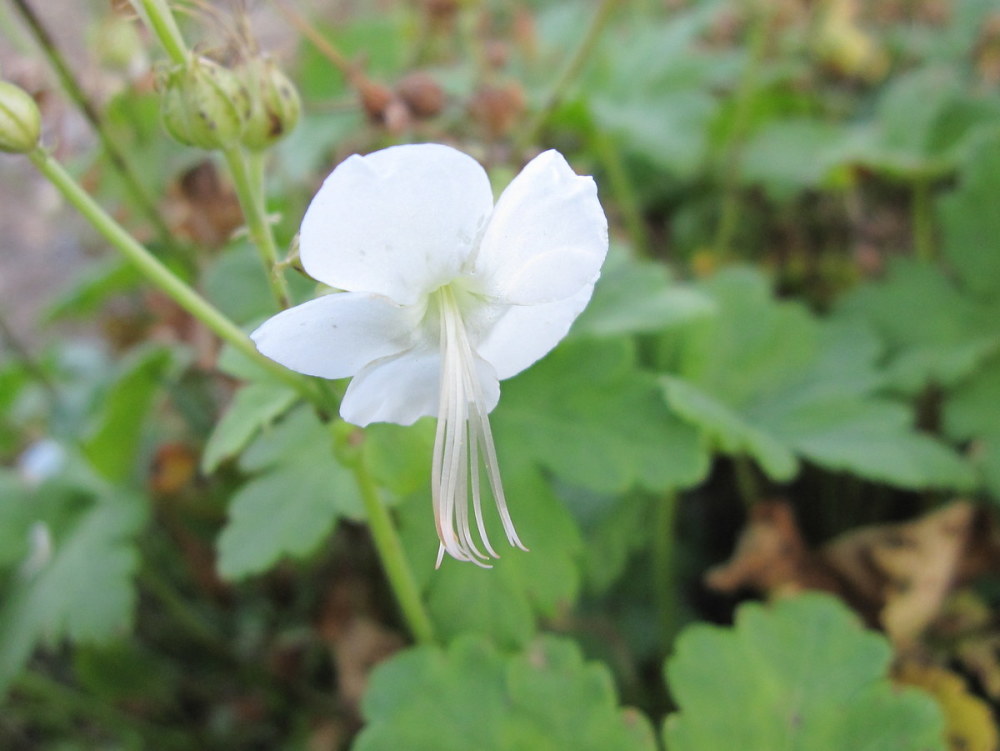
(204, 104)
(275, 105)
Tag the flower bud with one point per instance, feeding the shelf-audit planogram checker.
(274, 104)
(204, 104)
(20, 120)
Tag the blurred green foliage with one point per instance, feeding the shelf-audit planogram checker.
(801, 299)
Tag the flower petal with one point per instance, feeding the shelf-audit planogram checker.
(336, 335)
(524, 334)
(547, 238)
(399, 222)
(404, 388)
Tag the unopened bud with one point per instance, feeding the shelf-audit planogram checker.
(204, 104)
(20, 120)
(275, 105)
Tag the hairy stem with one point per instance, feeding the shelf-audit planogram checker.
(249, 184)
(572, 68)
(157, 273)
(621, 185)
(393, 557)
(136, 192)
(664, 573)
(160, 19)
(923, 220)
(730, 154)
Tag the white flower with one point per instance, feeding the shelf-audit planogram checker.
(445, 296)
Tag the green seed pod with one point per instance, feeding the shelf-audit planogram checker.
(20, 120)
(204, 104)
(274, 104)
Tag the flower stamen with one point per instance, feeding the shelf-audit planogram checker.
(463, 440)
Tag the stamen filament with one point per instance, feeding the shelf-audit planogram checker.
(463, 439)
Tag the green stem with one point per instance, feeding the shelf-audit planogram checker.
(730, 154)
(157, 273)
(247, 171)
(923, 220)
(664, 574)
(393, 556)
(623, 189)
(746, 480)
(135, 190)
(248, 182)
(28, 361)
(574, 64)
(161, 20)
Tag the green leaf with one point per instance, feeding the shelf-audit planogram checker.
(802, 673)
(924, 122)
(83, 592)
(399, 456)
(472, 697)
(970, 223)
(791, 155)
(970, 415)
(754, 345)
(96, 284)
(635, 296)
(253, 407)
(667, 129)
(873, 438)
(237, 285)
(293, 504)
(614, 528)
(765, 379)
(114, 440)
(16, 517)
(590, 416)
(935, 334)
(728, 431)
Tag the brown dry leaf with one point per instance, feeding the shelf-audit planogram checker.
(356, 639)
(173, 468)
(980, 655)
(906, 570)
(203, 208)
(771, 556)
(897, 576)
(969, 721)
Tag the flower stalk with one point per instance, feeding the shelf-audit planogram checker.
(249, 185)
(393, 556)
(247, 182)
(159, 18)
(156, 272)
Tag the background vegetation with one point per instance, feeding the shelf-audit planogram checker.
(792, 360)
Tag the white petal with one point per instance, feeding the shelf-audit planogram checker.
(404, 388)
(334, 336)
(526, 333)
(399, 222)
(547, 238)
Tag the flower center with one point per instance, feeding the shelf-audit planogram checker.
(463, 442)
